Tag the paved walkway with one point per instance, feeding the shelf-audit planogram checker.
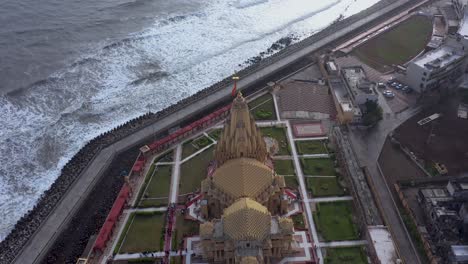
(196, 153)
(175, 175)
(303, 190)
(310, 138)
(330, 199)
(314, 156)
(275, 101)
(318, 176)
(349, 243)
(149, 209)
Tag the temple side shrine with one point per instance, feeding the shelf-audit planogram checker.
(243, 198)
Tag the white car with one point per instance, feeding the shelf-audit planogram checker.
(388, 94)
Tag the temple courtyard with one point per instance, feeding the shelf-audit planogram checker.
(164, 217)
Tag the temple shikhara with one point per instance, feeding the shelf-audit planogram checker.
(243, 198)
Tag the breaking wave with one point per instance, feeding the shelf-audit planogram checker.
(43, 125)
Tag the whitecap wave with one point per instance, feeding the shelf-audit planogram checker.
(44, 125)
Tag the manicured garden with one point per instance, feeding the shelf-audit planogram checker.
(144, 233)
(263, 108)
(284, 167)
(183, 229)
(291, 182)
(193, 171)
(318, 166)
(345, 255)
(279, 134)
(160, 183)
(194, 145)
(298, 221)
(324, 186)
(215, 133)
(334, 221)
(397, 45)
(311, 147)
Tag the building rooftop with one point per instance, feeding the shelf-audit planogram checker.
(246, 219)
(438, 58)
(463, 29)
(357, 80)
(383, 244)
(243, 177)
(341, 94)
(460, 252)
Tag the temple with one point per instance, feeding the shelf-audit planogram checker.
(243, 198)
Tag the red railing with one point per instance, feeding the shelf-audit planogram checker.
(106, 230)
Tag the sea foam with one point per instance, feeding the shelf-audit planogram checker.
(44, 125)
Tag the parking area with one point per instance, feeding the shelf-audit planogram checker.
(397, 95)
(396, 100)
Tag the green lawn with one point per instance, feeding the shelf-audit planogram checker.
(278, 133)
(193, 171)
(160, 183)
(215, 133)
(291, 182)
(284, 167)
(346, 255)
(320, 186)
(334, 221)
(183, 229)
(298, 221)
(166, 157)
(311, 147)
(398, 45)
(144, 233)
(263, 108)
(159, 202)
(192, 146)
(318, 167)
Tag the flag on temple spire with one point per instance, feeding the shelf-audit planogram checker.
(234, 89)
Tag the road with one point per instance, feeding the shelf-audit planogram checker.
(368, 145)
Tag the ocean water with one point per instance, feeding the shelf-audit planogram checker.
(70, 70)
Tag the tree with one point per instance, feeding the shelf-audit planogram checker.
(372, 114)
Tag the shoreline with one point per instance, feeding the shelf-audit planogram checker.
(73, 169)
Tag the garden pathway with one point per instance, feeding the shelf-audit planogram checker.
(330, 199)
(149, 209)
(349, 243)
(175, 175)
(303, 190)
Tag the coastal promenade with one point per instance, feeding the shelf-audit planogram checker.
(36, 248)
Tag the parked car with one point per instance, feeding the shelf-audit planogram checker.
(388, 94)
(394, 84)
(407, 89)
(381, 85)
(399, 86)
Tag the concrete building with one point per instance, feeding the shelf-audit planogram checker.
(458, 254)
(441, 68)
(344, 107)
(346, 111)
(360, 88)
(243, 198)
